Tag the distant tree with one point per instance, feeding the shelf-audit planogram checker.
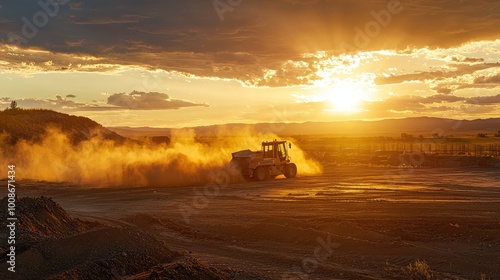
(407, 137)
(497, 134)
(482, 135)
(436, 135)
(13, 105)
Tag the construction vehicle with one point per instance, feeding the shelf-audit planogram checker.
(271, 161)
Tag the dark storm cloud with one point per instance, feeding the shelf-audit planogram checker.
(148, 101)
(189, 36)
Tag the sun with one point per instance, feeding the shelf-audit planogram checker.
(345, 97)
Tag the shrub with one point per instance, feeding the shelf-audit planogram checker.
(421, 269)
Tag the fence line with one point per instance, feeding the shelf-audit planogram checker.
(453, 148)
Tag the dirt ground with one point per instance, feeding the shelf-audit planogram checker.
(349, 223)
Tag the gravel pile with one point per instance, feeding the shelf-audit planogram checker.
(40, 219)
(53, 245)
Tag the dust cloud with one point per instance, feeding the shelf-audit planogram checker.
(103, 163)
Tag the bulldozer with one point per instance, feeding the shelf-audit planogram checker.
(271, 161)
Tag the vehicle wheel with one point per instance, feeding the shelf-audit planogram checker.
(290, 170)
(260, 173)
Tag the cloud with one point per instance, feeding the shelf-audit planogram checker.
(25, 60)
(488, 79)
(440, 98)
(58, 104)
(468, 59)
(484, 100)
(149, 101)
(463, 76)
(115, 102)
(438, 103)
(120, 19)
(460, 70)
(256, 36)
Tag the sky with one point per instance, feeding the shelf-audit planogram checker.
(166, 63)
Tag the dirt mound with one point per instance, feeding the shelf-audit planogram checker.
(116, 253)
(58, 246)
(41, 219)
(109, 253)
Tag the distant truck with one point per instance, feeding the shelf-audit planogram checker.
(271, 161)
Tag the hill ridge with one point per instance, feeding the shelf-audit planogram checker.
(416, 125)
(32, 124)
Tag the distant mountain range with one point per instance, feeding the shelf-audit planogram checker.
(31, 125)
(425, 126)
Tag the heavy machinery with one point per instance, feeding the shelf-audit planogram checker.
(271, 161)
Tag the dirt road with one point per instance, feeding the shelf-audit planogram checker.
(349, 223)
